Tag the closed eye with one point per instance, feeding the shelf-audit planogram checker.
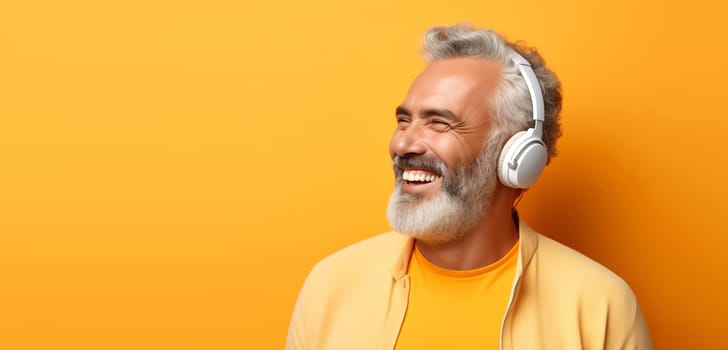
(440, 125)
(403, 122)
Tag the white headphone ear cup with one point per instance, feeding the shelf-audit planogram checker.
(505, 155)
(532, 161)
(522, 160)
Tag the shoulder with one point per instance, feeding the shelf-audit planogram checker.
(378, 253)
(560, 262)
(353, 282)
(346, 295)
(573, 281)
(384, 245)
(365, 263)
(578, 297)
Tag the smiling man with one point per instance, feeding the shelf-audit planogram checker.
(462, 270)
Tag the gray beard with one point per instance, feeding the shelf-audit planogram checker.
(457, 209)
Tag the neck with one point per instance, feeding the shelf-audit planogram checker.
(494, 236)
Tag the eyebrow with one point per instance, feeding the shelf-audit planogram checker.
(402, 111)
(430, 112)
(445, 113)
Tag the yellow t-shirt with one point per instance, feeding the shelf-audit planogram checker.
(456, 309)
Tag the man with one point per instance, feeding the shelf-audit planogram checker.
(462, 270)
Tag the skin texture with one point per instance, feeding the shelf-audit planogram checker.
(446, 116)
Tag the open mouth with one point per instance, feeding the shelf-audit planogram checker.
(419, 177)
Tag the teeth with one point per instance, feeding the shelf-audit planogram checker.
(419, 177)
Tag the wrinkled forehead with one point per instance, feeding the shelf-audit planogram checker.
(475, 66)
(454, 82)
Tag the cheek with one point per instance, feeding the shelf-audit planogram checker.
(455, 150)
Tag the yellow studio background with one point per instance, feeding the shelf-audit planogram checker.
(171, 170)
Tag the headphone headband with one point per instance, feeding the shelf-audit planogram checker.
(534, 89)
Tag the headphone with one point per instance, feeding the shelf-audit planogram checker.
(524, 155)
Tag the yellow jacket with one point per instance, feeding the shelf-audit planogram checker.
(357, 298)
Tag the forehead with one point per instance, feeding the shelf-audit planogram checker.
(454, 83)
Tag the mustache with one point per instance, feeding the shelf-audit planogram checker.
(434, 165)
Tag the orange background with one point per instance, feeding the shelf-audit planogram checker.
(170, 170)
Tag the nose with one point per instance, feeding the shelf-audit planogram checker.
(408, 142)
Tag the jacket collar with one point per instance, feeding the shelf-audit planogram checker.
(528, 246)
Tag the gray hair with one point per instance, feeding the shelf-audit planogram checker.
(511, 103)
